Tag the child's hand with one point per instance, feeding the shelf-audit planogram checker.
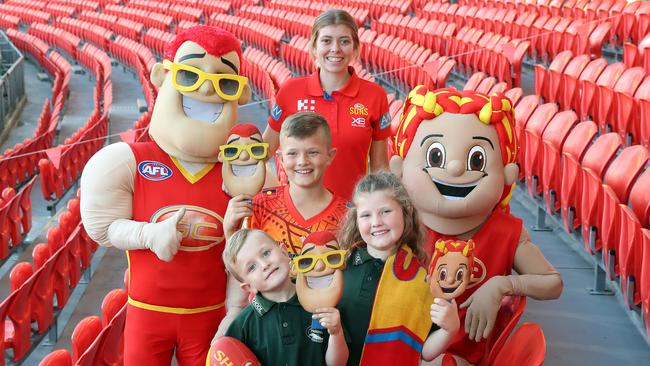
(239, 207)
(330, 318)
(445, 314)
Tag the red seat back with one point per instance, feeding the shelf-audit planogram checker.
(579, 139)
(625, 169)
(601, 153)
(113, 302)
(60, 357)
(640, 199)
(84, 335)
(511, 310)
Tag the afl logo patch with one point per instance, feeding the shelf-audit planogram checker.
(154, 170)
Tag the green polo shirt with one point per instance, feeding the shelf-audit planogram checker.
(361, 278)
(278, 333)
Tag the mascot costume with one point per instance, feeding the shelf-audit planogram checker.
(162, 201)
(455, 152)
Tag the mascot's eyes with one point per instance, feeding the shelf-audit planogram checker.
(476, 158)
(442, 274)
(436, 155)
(186, 78)
(230, 87)
(460, 273)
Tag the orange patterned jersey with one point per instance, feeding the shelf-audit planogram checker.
(275, 214)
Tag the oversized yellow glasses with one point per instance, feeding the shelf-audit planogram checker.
(186, 78)
(334, 259)
(257, 150)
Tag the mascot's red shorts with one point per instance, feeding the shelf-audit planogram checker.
(151, 337)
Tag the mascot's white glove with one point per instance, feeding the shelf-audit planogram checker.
(162, 238)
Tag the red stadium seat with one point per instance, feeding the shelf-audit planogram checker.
(42, 294)
(60, 357)
(511, 310)
(113, 302)
(530, 142)
(474, 81)
(608, 77)
(555, 77)
(627, 121)
(594, 165)
(84, 335)
(526, 346)
(541, 74)
(605, 107)
(514, 95)
(17, 327)
(570, 85)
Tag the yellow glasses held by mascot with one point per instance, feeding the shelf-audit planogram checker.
(334, 259)
(257, 151)
(186, 78)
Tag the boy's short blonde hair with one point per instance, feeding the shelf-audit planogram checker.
(234, 245)
(302, 125)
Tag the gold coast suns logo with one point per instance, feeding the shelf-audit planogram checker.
(478, 273)
(358, 110)
(201, 228)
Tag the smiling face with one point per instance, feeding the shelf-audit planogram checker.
(305, 160)
(334, 48)
(262, 264)
(456, 178)
(191, 125)
(381, 222)
(246, 173)
(450, 276)
(322, 286)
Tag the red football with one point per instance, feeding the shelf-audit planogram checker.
(228, 351)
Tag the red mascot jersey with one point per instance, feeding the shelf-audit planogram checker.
(494, 255)
(195, 280)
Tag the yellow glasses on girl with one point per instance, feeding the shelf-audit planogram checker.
(186, 78)
(334, 259)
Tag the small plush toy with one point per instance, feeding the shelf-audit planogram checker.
(243, 158)
(230, 351)
(450, 271)
(319, 282)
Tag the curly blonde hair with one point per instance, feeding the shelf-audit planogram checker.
(413, 234)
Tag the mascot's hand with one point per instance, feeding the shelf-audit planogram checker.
(482, 307)
(445, 315)
(163, 238)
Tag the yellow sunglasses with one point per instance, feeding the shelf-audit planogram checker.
(257, 150)
(306, 262)
(186, 78)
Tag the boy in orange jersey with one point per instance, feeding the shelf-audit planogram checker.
(290, 213)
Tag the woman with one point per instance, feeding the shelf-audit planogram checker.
(355, 109)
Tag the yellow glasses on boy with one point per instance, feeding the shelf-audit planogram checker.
(257, 150)
(334, 259)
(186, 78)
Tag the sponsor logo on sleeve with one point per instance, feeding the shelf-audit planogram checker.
(154, 170)
(385, 121)
(276, 112)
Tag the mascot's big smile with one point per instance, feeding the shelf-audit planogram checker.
(454, 192)
(201, 111)
(244, 170)
(319, 282)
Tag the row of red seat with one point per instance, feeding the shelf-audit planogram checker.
(293, 23)
(26, 15)
(54, 9)
(140, 58)
(615, 97)
(260, 78)
(428, 33)
(62, 39)
(377, 7)
(150, 19)
(250, 31)
(277, 71)
(15, 217)
(96, 341)
(86, 30)
(57, 269)
(156, 40)
(409, 63)
(360, 15)
(79, 5)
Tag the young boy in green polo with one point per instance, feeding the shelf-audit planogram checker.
(274, 325)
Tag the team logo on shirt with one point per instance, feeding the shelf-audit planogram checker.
(201, 228)
(358, 110)
(154, 170)
(306, 105)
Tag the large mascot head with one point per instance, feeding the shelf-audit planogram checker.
(455, 152)
(200, 88)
